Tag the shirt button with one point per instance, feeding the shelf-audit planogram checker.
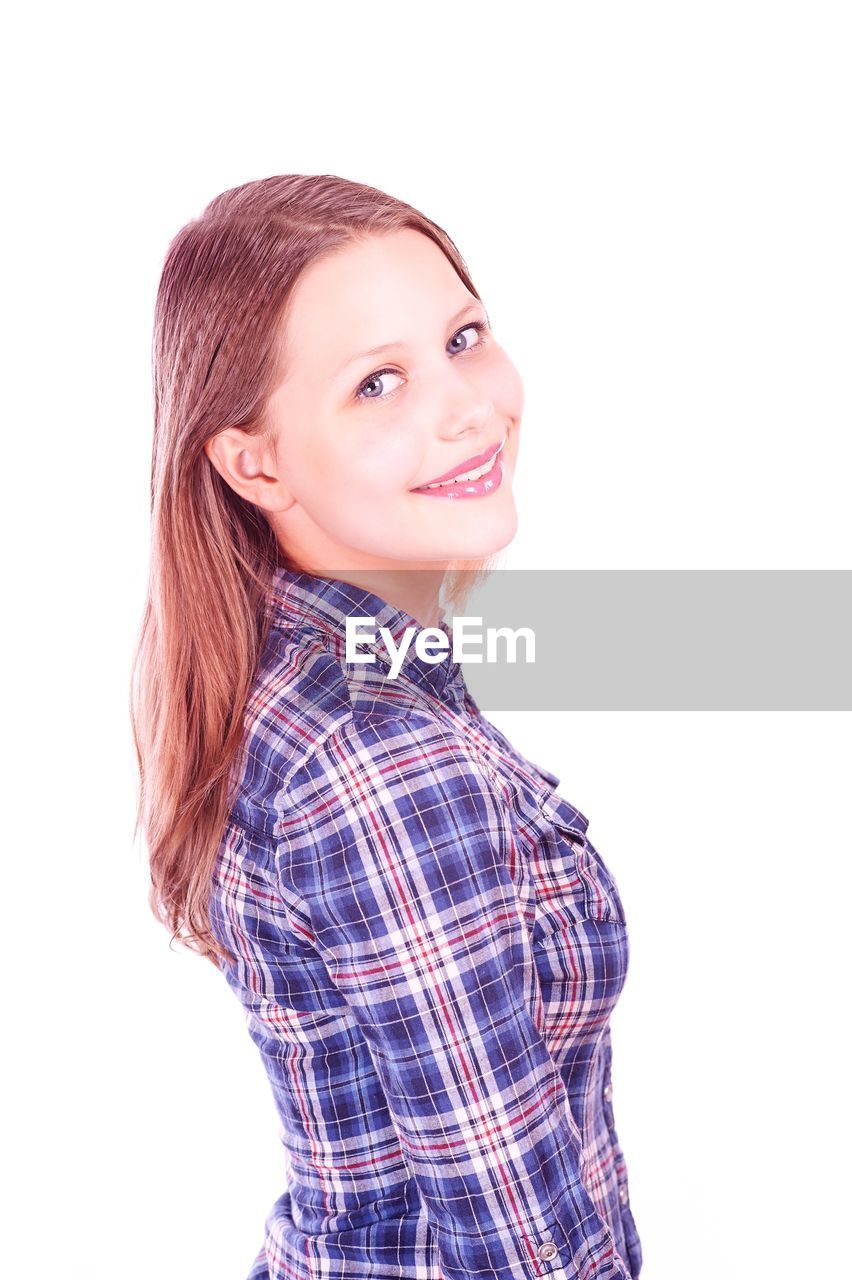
(608, 1092)
(622, 1194)
(547, 1251)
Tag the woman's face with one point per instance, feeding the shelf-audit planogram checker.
(356, 430)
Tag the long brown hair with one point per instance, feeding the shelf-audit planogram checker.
(226, 281)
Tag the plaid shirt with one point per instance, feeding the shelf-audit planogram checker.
(429, 949)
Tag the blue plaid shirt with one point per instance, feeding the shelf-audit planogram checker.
(429, 949)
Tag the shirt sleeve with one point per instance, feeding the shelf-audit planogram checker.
(399, 840)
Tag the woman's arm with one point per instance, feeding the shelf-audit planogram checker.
(401, 848)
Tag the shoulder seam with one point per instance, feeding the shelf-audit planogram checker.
(315, 746)
(407, 722)
(335, 730)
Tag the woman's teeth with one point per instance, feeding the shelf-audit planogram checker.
(466, 475)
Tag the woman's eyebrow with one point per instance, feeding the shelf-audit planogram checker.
(388, 346)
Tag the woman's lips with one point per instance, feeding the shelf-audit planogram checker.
(485, 484)
(478, 488)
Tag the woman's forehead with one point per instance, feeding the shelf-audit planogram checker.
(373, 295)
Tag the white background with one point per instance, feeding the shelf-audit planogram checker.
(654, 201)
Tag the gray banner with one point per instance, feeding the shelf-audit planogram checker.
(668, 640)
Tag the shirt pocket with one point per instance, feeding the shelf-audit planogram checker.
(573, 883)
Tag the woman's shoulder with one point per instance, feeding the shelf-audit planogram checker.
(297, 697)
(380, 757)
(382, 796)
(309, 719)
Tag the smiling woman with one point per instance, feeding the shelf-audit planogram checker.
(351, 447)
(426, 944)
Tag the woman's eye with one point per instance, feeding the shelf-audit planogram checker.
(371, 388)
(366, 388)
(469, 328)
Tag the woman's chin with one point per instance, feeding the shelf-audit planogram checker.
(482, 542)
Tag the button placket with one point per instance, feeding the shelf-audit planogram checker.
(548, 1251)
(623, 1193)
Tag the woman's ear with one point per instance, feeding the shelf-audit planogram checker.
(246, 461)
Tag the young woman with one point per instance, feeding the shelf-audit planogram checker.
(427, 945)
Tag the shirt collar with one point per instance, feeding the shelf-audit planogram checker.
(305, 602)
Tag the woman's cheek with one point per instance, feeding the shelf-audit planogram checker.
(349, 482)
(382, 467)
